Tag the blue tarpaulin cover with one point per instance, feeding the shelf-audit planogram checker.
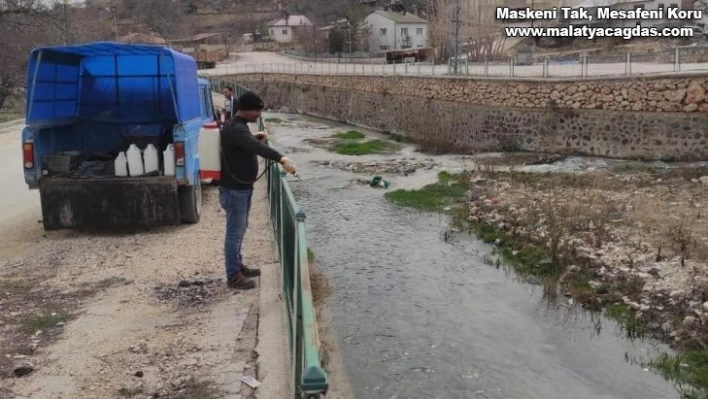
(112, 82)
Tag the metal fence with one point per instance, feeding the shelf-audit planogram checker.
(680, 60)
(309, 379)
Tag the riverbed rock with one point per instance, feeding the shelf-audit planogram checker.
(403, 167)
(689, 321)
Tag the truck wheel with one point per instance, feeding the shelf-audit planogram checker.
(190, 203)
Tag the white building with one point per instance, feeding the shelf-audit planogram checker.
(389, 30)
(283, 30)
(649, 5)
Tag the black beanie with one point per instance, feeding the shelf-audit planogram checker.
(249, 101)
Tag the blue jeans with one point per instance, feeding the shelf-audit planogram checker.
(237, 205)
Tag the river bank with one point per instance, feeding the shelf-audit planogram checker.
(628, 239)
(464, 329)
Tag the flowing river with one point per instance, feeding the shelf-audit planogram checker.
(419, 316)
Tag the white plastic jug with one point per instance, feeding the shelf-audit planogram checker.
(152, 160)
(135, 161)
(121, 164)
(168, 157)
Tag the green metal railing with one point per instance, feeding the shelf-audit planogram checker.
(309, 379)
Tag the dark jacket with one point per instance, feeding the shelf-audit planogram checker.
(239, 155)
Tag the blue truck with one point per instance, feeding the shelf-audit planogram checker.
(88, 103)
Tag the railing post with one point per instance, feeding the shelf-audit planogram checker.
(511, 67)
(467, 67)
(486, 67)
(628, 64)
(297, 349)
(281, 238)
(677, 61)
(584, 66)
(545, 67)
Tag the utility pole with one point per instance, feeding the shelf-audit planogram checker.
(349, 22)
(456, 32)
(67, 37)
(314, 42)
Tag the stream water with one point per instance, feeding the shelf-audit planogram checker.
(417, 316)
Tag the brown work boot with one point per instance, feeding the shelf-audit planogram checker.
(240, 281)
(248, 272)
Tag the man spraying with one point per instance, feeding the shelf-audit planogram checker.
(240, 150)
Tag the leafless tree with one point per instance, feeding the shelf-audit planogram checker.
(21, 27)
(27, 24)
(480, 34)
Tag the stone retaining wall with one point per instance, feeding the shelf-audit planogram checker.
(651, 118)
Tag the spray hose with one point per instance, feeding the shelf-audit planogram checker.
(297, 176)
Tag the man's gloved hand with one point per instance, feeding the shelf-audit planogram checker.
(288, 165)
(262, 136)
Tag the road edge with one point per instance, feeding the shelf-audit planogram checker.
(11, 123)
(273, 365)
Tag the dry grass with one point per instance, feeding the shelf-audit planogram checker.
(434, 146)
(635, 210)
(672, 217)
(517, 159)
(321, 290)
(668, 213)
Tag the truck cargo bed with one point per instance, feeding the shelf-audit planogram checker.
(109, 202)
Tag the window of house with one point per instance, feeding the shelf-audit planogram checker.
(382, 32)
(272, 32)
(404, 31)
(419, 31)
(285, 32)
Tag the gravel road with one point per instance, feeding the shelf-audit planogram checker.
(129, 314)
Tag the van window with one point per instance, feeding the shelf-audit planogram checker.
(204, 101)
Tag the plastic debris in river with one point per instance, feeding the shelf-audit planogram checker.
(377, 181)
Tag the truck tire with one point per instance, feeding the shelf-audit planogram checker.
(190, 203)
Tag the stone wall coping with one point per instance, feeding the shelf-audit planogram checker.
(567, 79)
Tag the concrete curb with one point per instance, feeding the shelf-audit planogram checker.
(272, 347)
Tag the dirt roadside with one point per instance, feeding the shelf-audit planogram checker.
(131, 315)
